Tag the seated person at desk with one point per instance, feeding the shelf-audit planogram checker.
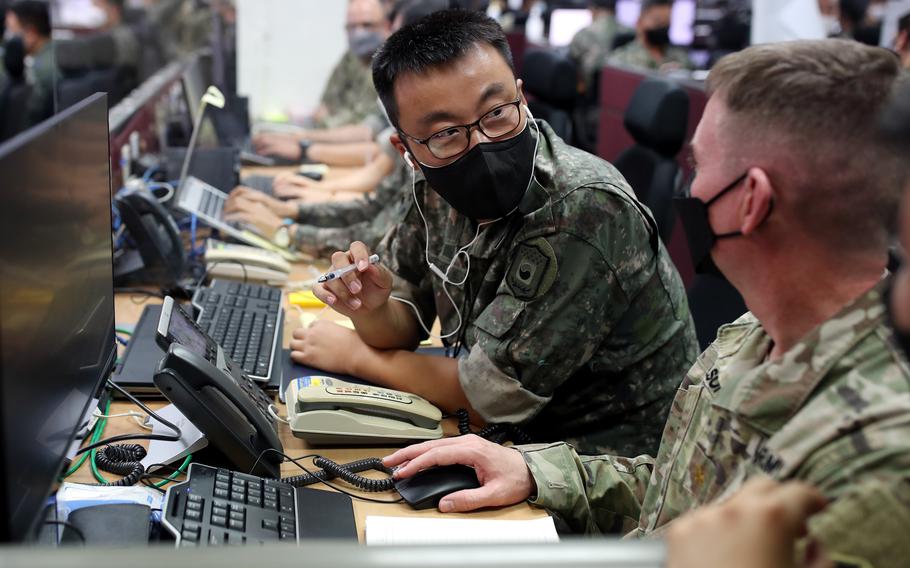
(651, 48)
(31, 20)
(592, 45)
(348, 117)
(811, 385)
(319, 229)
(560, 304)
(128, 50)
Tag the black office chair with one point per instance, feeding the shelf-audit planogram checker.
(657, 118)
(14, 109)
(550, 80)
(713, 302)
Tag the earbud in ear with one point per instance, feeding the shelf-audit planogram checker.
(407, 158)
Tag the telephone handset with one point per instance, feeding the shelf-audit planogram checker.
(323, 410)
(215, 394)
(159, 255)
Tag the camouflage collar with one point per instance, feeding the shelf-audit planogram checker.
(769, 393)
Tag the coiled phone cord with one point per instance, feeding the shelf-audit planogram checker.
(498, 433)
(122, 460)
(346, 472)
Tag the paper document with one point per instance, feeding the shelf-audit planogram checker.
(416, 530)
(191, 439)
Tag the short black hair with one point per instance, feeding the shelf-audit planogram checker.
(434, 41)
(648, 4)
(853, 10)
(903, 23)
(34, 14)
(413, 10)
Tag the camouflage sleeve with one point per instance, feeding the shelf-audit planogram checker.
(559, 298)
(334, 87)
(321, 242)
(868, 526)
(338, 214)
(592, 494)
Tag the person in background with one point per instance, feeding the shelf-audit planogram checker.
(651, 48)
(31, 20)
(857, 23)
(348, 117)
(127, 44)
(183, 26)
(322, 228)
(902, 40)
(592, 45)
(561, 307)
(808, 386)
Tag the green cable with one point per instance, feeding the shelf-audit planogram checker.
(173, 477)
(96, 435)
(121, 330)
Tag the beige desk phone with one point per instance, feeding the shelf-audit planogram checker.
(224, 260)
(324, 410)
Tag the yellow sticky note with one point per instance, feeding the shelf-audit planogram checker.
(305, 299)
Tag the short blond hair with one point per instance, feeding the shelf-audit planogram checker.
(816, 102)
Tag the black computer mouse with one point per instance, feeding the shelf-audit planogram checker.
(424, 489)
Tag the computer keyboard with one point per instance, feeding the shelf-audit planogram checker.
(218, 506)
(212, 204)
(246, 321)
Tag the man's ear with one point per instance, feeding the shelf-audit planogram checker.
(399, 145)
(901, 41)
(758, 199)
(521, 91)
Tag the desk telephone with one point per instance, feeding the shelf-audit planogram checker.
(159, 255)
(323, 410)
(215, 394)
(224, 260)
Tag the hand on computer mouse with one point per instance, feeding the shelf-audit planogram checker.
(502, 472)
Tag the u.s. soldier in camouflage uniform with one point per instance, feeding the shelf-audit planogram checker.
(567, 313)
(592, 45)
(811, 385)
(651, 48)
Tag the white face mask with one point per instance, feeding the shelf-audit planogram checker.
(877, 12)
(515, 5)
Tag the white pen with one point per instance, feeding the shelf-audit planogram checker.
(329, 276)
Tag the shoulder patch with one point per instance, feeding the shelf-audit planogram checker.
(533, 269)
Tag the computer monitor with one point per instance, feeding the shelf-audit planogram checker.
(565, 23)
(196, 79)
(682, 20)
(56, 300)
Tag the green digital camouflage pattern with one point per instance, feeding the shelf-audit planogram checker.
(634, 54)
(592, 45)
(834, 412)
(349, 96)
(183, 26)
(577, 325)
(328, 227)
(41, 73)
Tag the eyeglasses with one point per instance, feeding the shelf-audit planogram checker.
(449, 142)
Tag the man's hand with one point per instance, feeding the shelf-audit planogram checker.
(503, 474)
(360, 291)
(277, 206)
(274, 144)
(293, 186)
(327, 346)
(253, 213)
(757, 528)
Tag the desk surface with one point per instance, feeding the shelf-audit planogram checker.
(128, 308)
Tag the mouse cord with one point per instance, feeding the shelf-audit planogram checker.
(498, 433)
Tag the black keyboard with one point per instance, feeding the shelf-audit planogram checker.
(245, 320)
(218, 506)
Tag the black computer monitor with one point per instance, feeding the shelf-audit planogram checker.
(56, 300)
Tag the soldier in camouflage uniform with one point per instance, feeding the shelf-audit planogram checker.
(592, 45)
(349, 96)
(651, 48)
(30, 19)
(813, 389)
(566, 315)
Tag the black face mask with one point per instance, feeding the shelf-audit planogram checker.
(902, 337)
(693, 213)
(490, 180)
(658, 37)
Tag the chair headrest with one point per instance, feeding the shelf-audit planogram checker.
(658, 115)
(549, 76)
(96, 51)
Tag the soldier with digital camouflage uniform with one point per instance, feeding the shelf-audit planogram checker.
(559, 302)
(651, 48)
(810, 385)
(592, 45)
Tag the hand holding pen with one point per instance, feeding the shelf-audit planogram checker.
(356, 283)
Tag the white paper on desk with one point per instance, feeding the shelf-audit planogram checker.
(191, 439)
(421, 530)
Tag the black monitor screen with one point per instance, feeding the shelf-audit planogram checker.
(56, 300)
